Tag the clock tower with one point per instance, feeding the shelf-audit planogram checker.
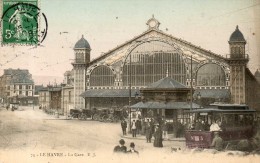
(237, 61)
(82, 58)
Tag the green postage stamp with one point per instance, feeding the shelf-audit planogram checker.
(21, 23)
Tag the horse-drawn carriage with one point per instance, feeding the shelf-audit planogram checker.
(108, 115)
(13, 106)
(81, 114)
(102, 115)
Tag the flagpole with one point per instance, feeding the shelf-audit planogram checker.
(191, 84)
(130, 80)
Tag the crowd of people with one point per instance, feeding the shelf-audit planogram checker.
(159, 129)
(149, 128)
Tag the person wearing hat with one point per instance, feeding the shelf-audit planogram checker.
(157, 136)
(134, 128)
(124, 126)
(148, 131)
(217, 142)
(132, 149)
(121, 148)
(165, 130)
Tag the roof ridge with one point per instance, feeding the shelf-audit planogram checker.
(164, 83)
(121, 45)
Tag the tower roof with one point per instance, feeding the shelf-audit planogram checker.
(237, 36)
(82, 44)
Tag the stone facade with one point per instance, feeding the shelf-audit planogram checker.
(67, 99)
(44, 98)
(16, 83)
(50, 98)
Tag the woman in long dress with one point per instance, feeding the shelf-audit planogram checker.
(158, 137)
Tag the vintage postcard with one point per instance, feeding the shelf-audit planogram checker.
(129, 81)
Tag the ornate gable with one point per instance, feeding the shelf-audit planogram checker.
(116, 58)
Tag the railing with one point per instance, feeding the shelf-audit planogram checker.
(77, 61)
(237, 56)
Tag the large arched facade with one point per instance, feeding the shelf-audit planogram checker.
(210, 74)
(152, 61)
(149, 58)
(102, 76)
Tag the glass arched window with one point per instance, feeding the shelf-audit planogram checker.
(102, 76)
(210, 74)
(151, 62)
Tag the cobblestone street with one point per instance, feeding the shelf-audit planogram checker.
(31, 134)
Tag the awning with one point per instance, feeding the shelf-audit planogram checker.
(163, 105)
(208, 110)
(110, 93)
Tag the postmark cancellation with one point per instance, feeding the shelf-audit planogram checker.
(22, 23)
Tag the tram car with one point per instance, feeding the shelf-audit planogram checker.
(236, 123)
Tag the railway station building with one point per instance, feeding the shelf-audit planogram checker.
(114, 79)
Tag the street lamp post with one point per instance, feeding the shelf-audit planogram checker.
(191, 84)
(66, 109)
(130, 90)
(199, 98)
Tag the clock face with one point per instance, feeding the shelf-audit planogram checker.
(152, 23)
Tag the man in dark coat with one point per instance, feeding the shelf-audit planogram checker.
(199, 126)
(165, 130)
(157, 137)
(178, 129)
(138, 126)
(124, 126)
(152, 125)
(148, 132)
(120, 148)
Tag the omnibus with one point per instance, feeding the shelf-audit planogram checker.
(236, 123)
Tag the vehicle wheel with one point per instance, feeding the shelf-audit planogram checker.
(101, 119)
(116, 119)
(95, 117)
(104, 118)
(109, 119)
(85, 117)
(80, 117)
(243, 145)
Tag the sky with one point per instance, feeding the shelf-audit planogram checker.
(109, 23)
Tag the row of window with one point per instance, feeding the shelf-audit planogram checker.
(207, 75)
(153, 61)
(24, 93)
(11, 87)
